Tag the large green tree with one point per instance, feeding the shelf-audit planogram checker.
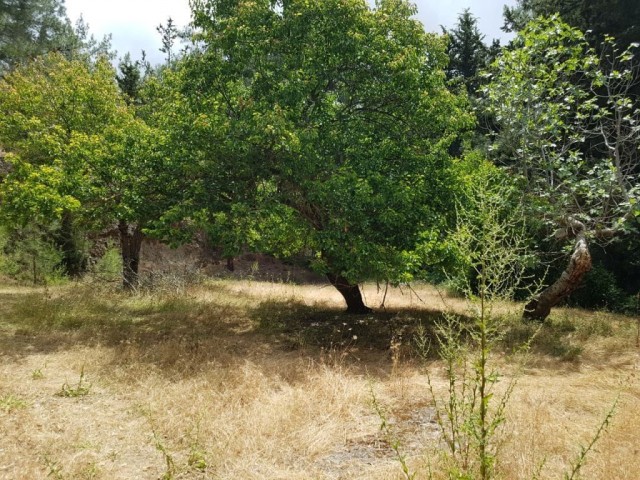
(329, 118)
(553, 97)
(77, 151)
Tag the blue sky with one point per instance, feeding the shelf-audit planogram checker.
(133, 22)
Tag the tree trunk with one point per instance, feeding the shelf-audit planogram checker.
(74, 260)
(539, 307)
(351, 294)
(130, 243)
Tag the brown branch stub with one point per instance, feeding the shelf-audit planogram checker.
(570, 228)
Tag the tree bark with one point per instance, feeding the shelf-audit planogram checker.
(540, 306)
(351, 294)
(74, 260)
(130, 244)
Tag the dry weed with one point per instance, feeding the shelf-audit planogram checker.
(194, 386)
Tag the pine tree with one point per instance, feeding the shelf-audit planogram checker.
(169, 33)
(129, 78)
(29, 28)
(467, 51)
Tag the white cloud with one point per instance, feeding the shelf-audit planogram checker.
(132, 23)
(434, 13)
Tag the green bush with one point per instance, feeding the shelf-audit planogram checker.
(28, 256)
(108, 268)
(631, 305)
(599, 290)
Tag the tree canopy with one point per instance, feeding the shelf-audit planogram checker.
(554, 98)
(598, 18)
(74, 146)
(334, 115)
(320, 130)
(467, 52)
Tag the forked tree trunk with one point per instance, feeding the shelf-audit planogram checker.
(539, 307)
(351, 294)
(130, 243)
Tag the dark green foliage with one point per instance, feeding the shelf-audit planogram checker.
(72, 244)
(467, 51)
(618, 18)
(129, 78)
(614, 282)
(600, 290)
(468, 57)
(29, 28)
(28, 255)
(517, 17)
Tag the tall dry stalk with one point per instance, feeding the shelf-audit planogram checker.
(490, 238)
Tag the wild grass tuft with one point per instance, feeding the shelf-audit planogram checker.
(80, 389)
(10, 403)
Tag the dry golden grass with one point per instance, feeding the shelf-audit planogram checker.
(250, 380)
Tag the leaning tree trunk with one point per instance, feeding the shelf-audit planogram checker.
(539, 307)
(130, 243)
(351, 294)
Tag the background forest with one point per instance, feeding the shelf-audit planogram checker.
(338, 135)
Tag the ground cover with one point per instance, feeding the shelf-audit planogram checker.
(236, 379)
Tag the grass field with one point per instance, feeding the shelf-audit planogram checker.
(251, 380)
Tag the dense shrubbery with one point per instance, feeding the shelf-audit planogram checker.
(601, 289)
(28, 255)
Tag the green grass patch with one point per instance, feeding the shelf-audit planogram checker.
(10, 403)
